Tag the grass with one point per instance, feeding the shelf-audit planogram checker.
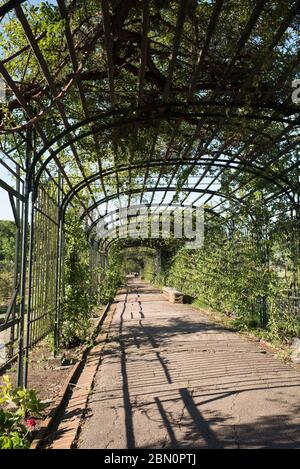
(200, 304)
(249, 330)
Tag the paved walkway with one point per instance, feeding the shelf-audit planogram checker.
(170, 378)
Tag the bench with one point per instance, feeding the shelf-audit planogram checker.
(173, 295)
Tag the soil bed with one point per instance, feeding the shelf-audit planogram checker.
(46, 374)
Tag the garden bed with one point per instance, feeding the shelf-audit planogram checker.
(47, 375)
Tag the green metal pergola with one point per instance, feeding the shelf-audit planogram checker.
(155, 102)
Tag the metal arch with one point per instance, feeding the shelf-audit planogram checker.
(252, 20)
(213, 112)
(146, 250)
(116, 195)
(164, 107)
(129, 240)
(106, 242)
(151, 189)
(243, 39)
(10, 5)
(145, 241)
(203, 162)
(162, 113)
(92, 226)
(145, 247)
(207, 209)
(102, 243)
(116, 240)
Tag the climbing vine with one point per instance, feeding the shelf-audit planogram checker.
(245, 270)
(111, 276)
(230, 275)
(78, 300)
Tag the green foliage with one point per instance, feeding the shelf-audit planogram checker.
(14, 428)
(233, 272)
(6, 286)
(142, 260)
(283, 325)
(7, 258)
(78, 301)
(225, 276)
(25, 400)
(81, 295)
(13, 435)
(111, 280)
(230, 273)
(111, 277)
(7, 244)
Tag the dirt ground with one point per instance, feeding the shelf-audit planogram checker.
(47, 375)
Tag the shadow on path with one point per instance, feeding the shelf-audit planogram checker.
(181, 381)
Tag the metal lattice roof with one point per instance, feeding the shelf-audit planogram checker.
(156, 101)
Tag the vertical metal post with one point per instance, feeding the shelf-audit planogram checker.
(62, 268)
(17, 262)
(263, 311)
(261, 245)
(29, 293)
(297, 217)
(58, 269)
(20, 377)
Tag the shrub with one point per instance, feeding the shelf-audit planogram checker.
(18, 422)
(6, 286)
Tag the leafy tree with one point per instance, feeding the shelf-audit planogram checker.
(7, 244)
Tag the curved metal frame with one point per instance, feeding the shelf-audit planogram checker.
(43, 172)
